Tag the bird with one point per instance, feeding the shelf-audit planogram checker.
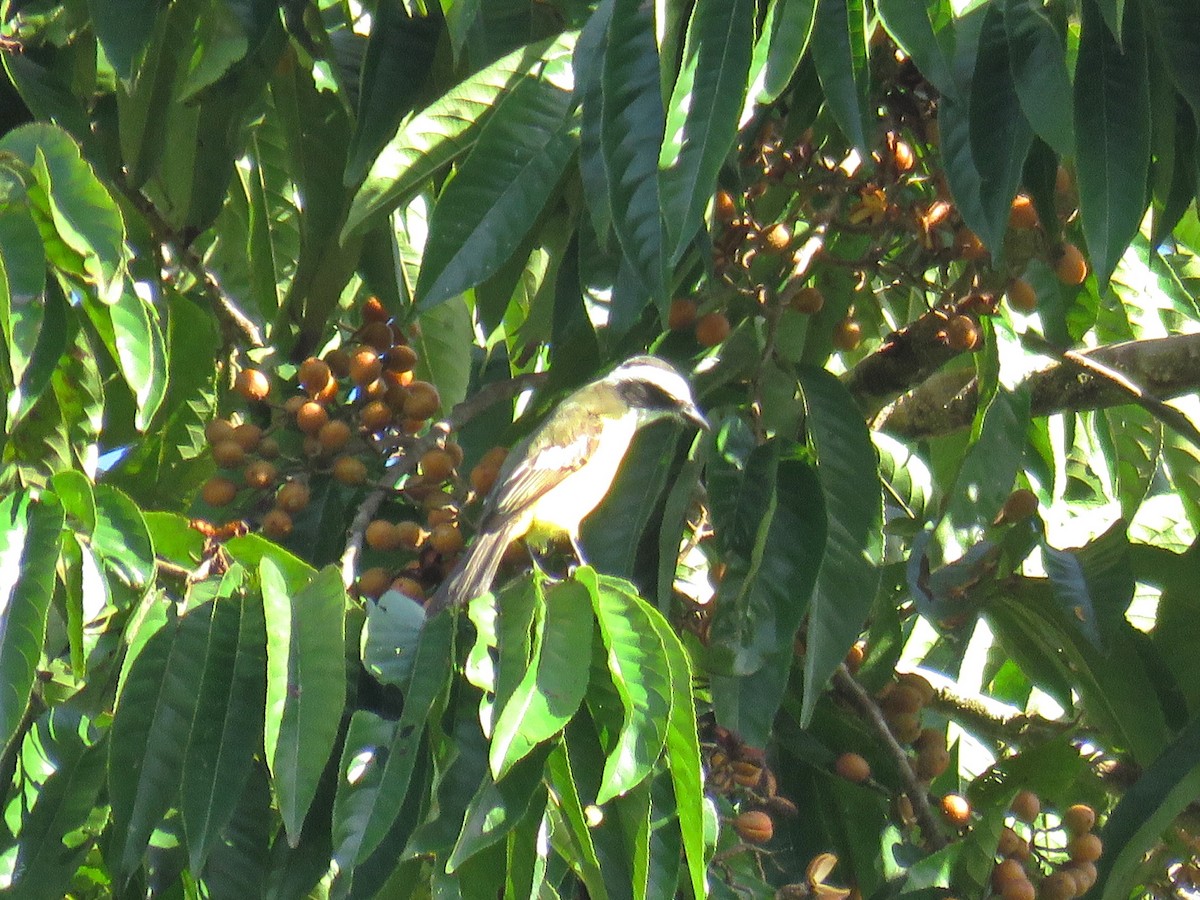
(552, 480)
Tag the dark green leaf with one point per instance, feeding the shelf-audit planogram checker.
(780, 47)
(124, 29)
(390, 639)
(1094, 584)
(498, 806)
(909, 25)
(1039, 73)
(122, 540)
(839, 46)
(141, 354)
(1178, 36)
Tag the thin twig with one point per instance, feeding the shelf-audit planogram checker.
(927, 820)
(462, 413)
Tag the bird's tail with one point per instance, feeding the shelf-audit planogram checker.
(474, 573)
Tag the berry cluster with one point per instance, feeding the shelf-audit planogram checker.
(1051, 863)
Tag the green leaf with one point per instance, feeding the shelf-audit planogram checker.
(999, 153)
(306, 684)
(445, 130)
(909, 26)
(589, 96)
(1177, 35)
(780, 46)
(141, 354)
(631, 135)
(251, 549)
(30, 533)
(227, 720)
(390, 638)
(1039, 73)
(1094, 585)
(554, 684)
(122, 540)
(641, 676)
(124, 29)
(839, 47)
(702, 116)
(499, 805)
(1146, 811)
(574, 839)
(40, 330)
(848, 469)
(237, 865)
(1112, 137)
(500, 189)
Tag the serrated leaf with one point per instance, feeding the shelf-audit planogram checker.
(702, 116)
(306, 684)
(839, 47)
(1112, 137)
(444, 130)
(30, 532)
(554, 683)
(848, 470)
(1039, 73)
(631, 132)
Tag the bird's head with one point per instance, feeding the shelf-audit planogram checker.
(654, 390)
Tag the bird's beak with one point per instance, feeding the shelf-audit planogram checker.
(691, 413)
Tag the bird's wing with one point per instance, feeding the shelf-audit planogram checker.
(561, 446)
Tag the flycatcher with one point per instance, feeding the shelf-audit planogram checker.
(560, 473)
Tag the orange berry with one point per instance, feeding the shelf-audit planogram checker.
(906, 727)
(1006, 871)
(314, 374)
(327, 393)
(218, 491)
(1010, 843)
(437, 465)
(229, 454)
(494, 457)
(967, 244)
(292, 497)
(248, 436)
(956, 809)
(338, 361)
(903, 156)
(776, 238)
(712, 329)
(334, 436)
(962, 333)
(754, 826)
(1019, 890)
(847, 335)
(350, 470)
(456, 453)
(1079, 819)
(852, 767)
(855, 657)
(422, 400)
(1022, 296)
(724, 207)
(252, 384)
(1085, 848)
(382, 535)
(1026, 806)
(1057, 886)
(260, 474)
(410, 587)
(1020, 505)
(1022, 215)
(903, 698)
(269, 448)
(682, 314)
(439, 516)
(375, 416)
(1070, 266)
(374, 311)
(1085, 876)
(364, 366)
(373, 582)
(311, 417)
(932, 761)
(401, 358)
(377, 335)
(808, 301)
(292, 405)
(218, 430)
(483, 477)
(918, 683)
(277, 524)
(409, 535)
(446, 538)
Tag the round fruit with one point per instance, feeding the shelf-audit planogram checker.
(218, 430)
(409, 535)
(1079, 819)
(777, 238)
(905, 726)
(438, 516)
(1022, 215)
(292, 405)
(1070, 266)
(724, 207)
(682, 314)
(456, 453)
(248, 436)
(711, 329)
(376, 390)
(375, 416)
(377, 335)
(1022, 296)
(847, 334)
(754, 826)
(260, 474)
(855, 657)
(1026, 806)
(395, 394)
(410, 587)
(1084, 874)
(277, 524)
(808, 300)
(932, 761)
(903, 699)
(962, 333)
(373, 310)
(364, 366)
(852, 767)
(1019, 890)
(1007, 871)
(292, 497)
(446, 538)
(311, 417)
(422, 400)
(269, 448)
(1020, 505)
(1057, 886)
(483, 477)
(349, 470)
(437, 464)
(956, 809)
(314, 374)
(1010, 843)
(373, 582)
(252, 384)
(334, 435)
(338, 361)
(401, 358)
(382, 535)
(1085, 848)
(218, 491)
(229, 454)
(967, 244)
(918, 683)
(903, 156)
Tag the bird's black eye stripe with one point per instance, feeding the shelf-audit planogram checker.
(644, 395)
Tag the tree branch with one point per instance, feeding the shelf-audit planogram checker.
(1146, 372)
